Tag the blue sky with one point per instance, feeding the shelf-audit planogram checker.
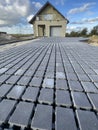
(15, 14)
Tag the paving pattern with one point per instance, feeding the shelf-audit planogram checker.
(49, 84)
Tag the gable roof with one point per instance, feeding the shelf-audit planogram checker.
(43, 7)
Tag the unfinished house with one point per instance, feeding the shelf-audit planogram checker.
(49, 22)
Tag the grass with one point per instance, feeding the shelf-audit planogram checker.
(21, 35)
(93, 40)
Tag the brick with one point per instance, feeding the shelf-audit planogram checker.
(80, 100)
(42, 117)
(46, 96)
(4, 89)
(48, 83)
(75, 85)
(16, 92)
(63, 98)
(30, 94)
(21, 114)
(87, 120)
(61, 84)
(36, 81)
(23, 81)
(65, 119)
(89, 87)
(6, 107)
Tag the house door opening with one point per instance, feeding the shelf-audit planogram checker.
(41, 30)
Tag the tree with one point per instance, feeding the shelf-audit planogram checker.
(83, 32)
(94, 31)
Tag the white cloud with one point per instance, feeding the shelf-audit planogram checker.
(13, 11)
(37, 5)
(62, 2)
(85, 20)
(83, 8)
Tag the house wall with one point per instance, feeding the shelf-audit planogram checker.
(58, 20)
(48, 24)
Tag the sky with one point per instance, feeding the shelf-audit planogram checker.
(15, 14)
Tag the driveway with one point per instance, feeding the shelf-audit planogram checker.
(49, 84)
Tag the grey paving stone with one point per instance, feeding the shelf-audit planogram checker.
(39, 74)
(94, 99)
(4, 89)
(42, 118)
(13, 79)
(19, 72)
(2, 70)
(75, 85)
(11, 71)
(48, 83)
(80, 100)
(30, 94)
(36, 81)
(21, 114)
(46, 96)
(29, 73)
(23, 81)
(89, 87)
(60, 75)
(3, 78)
(63, 98)
(61, 84)
(94, 78)
(87, 120)
(5, 108)
(72, 76)
(83, 77)
(49, 75)
(65, 119)
(16, 92)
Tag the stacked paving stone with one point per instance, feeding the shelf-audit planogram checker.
(50, 84)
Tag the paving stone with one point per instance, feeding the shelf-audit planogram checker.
(80, 100)
(96, 70)
(6, 107)
(4, 89)
(21, 114)
(60, 75)
(19, 72)
(63, 98)
(49, 75)
(13, 79)
(46, 96)
(61, 84)
(11, 71)
(48, 83)
(72, 76)
(83, 77)
(29, 73)
(36, 81)
(94, 78)
(39, 74)
(42, 118)
(30, 94)
(87, 120)
(89, 87)
(2, 70)
(16, 92)
(65, 119)
(75, 85)
(23, 81)
(94, 99)
(3, 78)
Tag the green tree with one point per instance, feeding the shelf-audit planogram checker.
(94, 31)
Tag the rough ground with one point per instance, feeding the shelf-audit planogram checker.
(49, 84)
